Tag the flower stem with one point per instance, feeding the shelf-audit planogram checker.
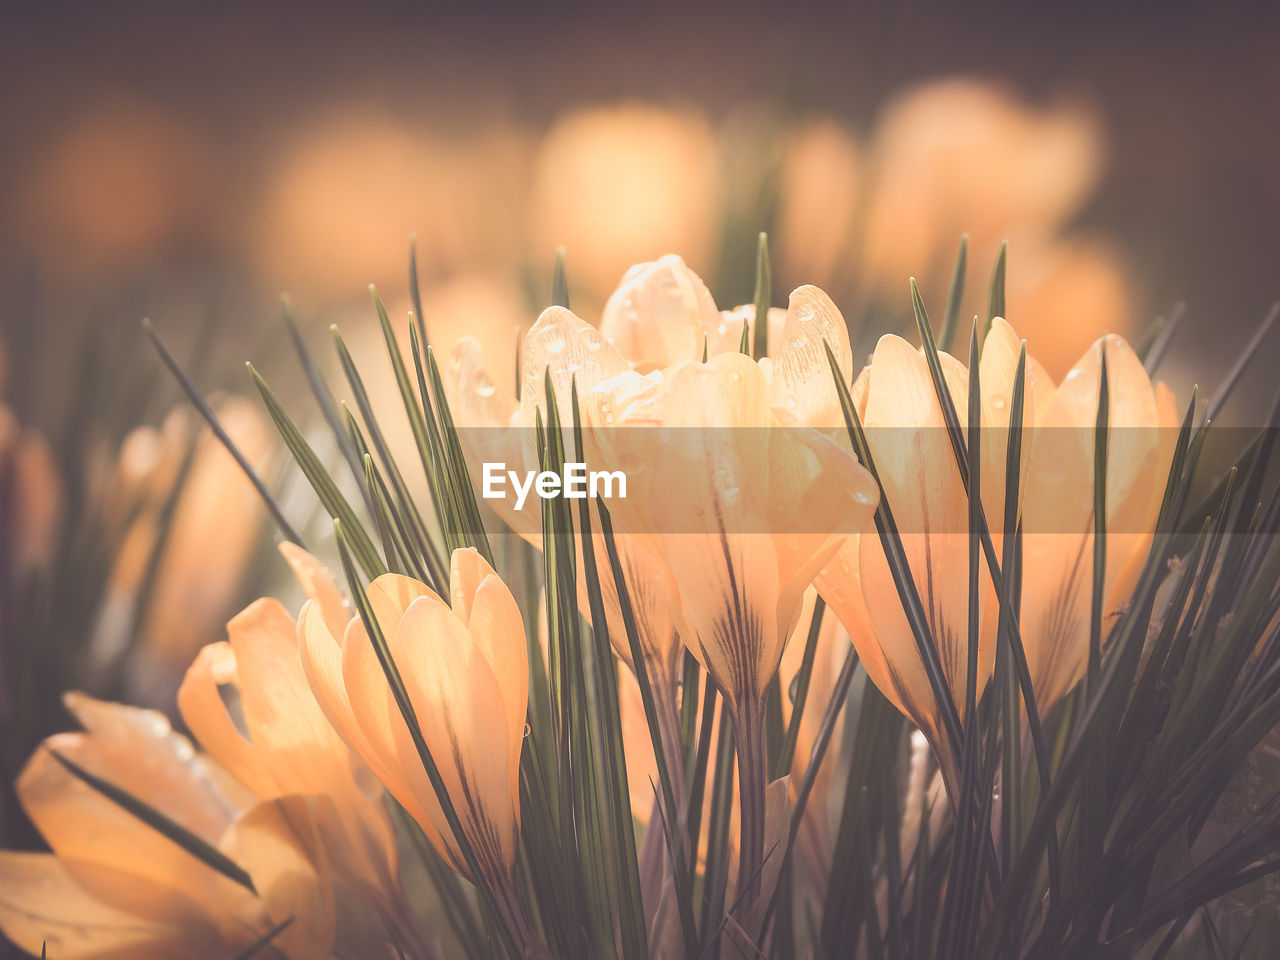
(749, 738)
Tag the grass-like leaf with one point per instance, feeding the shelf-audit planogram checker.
(763, 297)
(202, 405)
(955, 294)
(330, 496)
(265, 942)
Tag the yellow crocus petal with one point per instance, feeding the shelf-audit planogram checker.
(377, 716)
(390, 595)
(319, 585)
(660, 314)
(920, 479)
(139, 749)
(570, 348)
(275, 842)
(493, 619)
(322, 658)
(802, 384)
(456, 696)
(40, 904)
(727, 337)
(902, 681)
(280, 712)
(1058, 510)
(205, 714)
(818, 496)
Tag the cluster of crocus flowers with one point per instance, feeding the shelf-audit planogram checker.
(858, 214)
(288, 747)
(744, 503)
(764, 501)
(288, 786)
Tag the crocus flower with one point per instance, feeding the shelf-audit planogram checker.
(896, 401)
(114, 886)
(288, 746)
(1057, 511)
(465, 666)
(761, 509)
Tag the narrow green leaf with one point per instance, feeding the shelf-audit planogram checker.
(803, 676)
(202, 405)
(996, 304)
(1011, 737)
(422, 540)
(951, 318)
(330, 496)
(1152, 353)
(896, 556)
(763, 297)
(559, 281)
(264, 941)
(417, 421)
(415, 293)
(1250, 351)
(323, 394)
(1099, 521)
(456, 463)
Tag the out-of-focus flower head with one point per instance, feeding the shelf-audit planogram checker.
(351, 185)
(619, 184)
(114, 187)
(963, 156)
(188, 554)
(820, 186)
(115, 886)
(30, 497)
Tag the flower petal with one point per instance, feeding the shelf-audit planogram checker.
(319, 585)
(802, 384)
(41, 904)
(456, 695)
(660, 314)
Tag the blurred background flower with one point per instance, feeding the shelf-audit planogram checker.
(298, 152)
